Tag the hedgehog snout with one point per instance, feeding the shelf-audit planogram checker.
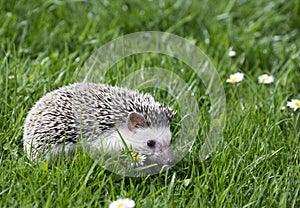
(170, 160)
(164, 157)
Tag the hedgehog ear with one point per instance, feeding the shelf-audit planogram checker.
(135, 120)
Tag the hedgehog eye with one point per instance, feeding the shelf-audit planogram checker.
(151, 143)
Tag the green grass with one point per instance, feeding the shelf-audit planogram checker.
(43, 44)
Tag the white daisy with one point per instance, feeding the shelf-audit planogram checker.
(138, 159)
(122, 203)
(295, 104)
(265, 79)
(235, 78)
(231, 53)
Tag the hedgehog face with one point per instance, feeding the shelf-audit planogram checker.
(154, 142)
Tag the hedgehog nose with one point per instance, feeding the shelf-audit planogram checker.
(170, 159)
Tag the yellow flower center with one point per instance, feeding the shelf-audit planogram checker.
(120, 205)
(233, 80)
(297, 103)
(135, 156)
(265, 79)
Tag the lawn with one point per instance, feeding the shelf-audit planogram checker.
(256, 164)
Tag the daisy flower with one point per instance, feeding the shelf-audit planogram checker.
(265, 79)
(138, 159)
(295, 104)
(235, 78)
(231, 53)
(122, 203)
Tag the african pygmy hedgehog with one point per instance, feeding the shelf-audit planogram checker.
(99, 114)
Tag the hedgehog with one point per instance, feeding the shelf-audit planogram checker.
(104, 117)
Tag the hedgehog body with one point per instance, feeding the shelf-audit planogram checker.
(98, 114)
